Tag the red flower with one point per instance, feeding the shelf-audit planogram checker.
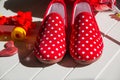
(22, 19)
(2, 20)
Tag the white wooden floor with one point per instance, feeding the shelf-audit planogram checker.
(24, 66)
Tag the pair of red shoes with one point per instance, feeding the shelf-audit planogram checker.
(86, 43)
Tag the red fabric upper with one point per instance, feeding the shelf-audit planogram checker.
(86, 41)
(51, 42)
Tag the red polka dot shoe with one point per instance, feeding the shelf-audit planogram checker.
(50, 46)
(86, 43)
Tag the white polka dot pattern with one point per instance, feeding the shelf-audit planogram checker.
(51, 42)
(86, 41)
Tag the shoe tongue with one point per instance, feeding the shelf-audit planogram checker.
(84, 16)
(54, 16)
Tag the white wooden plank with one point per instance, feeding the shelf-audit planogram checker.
(4, 11)
(1, 3)
(7, 63)
(57, 71)
(105, 22)
(53, 72)
(36, 19)
(112, 71)
(25, 70)
(2, 44)
(91, 71)
(115, 32)
(21, 72)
